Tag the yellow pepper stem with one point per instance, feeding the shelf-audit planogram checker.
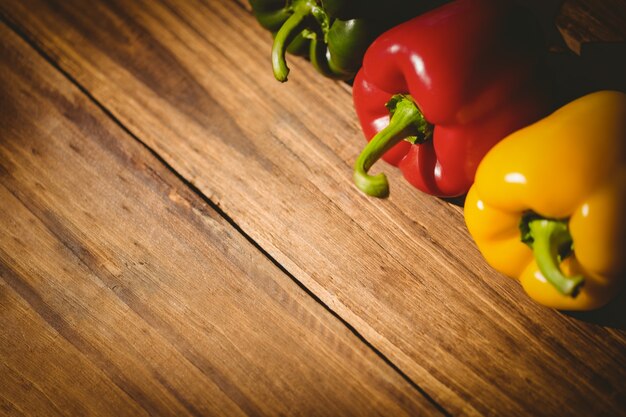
(549, 239)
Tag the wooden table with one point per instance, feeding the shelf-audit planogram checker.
(179, 235)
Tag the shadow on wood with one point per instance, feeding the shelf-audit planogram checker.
(600, 66)
(612, 315)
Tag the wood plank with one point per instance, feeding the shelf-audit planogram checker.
(123, 293)
(191, 79)
(588, 21)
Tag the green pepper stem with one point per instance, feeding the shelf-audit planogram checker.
(285, 35)
(319, 59)
(406, 120)
(548, 237)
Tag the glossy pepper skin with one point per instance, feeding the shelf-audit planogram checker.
(559, 185)
(333, 34)
(272, 14)
(474, 69)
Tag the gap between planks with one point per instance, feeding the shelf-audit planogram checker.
(492, 294)
(196, 191)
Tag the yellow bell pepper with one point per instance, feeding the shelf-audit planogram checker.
(548, 205)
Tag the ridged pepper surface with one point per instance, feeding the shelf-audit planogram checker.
(549, 202)
(456, 80)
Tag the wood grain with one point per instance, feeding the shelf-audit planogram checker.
(123, 293)
(588, 21)
(191, 80)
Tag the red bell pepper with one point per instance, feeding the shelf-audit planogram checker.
(453, 82)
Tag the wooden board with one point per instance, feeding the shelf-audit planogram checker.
(588, 21)
(191, 81)
(123, 293)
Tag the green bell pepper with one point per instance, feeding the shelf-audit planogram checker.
(333, 34)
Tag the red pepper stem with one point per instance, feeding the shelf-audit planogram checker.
(406, 120)
(549, 237)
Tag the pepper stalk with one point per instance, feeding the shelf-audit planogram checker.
(551, 242)
(406, 123)
(307, 17)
